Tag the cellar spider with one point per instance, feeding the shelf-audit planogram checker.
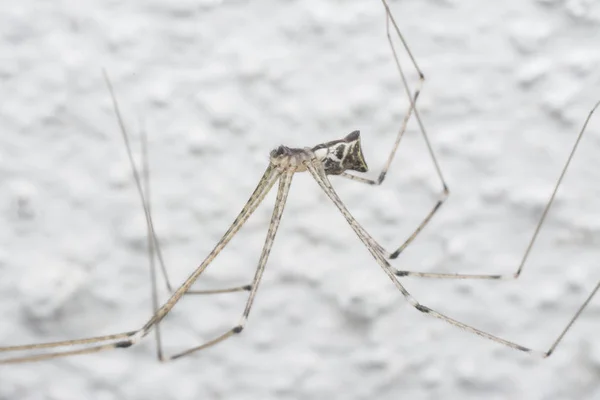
(336, 158)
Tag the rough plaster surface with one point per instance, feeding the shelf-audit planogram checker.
(217, 85)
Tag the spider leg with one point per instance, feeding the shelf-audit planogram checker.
(142, 181)
(319, 175)
(284, 187)
(127, 339)
(538, 227)
(412, 97)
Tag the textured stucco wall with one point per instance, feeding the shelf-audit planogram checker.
(217, 84)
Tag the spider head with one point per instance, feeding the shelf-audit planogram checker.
(280, 152)
(284, 157)
(340, 155)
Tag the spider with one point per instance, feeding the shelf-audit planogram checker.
(333, 158)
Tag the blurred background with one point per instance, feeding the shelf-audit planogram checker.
(217, 85)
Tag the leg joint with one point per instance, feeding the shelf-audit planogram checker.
(238, 329)
(124, 344)
(423, 308)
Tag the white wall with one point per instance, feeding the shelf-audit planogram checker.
(217, 85)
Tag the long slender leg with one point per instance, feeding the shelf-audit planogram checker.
(127, 339)
(264, 186)
(412, 97)
(100, 343)
(519, 269)
(284, 187)
(390, 19)
(143, 189)
(243, 288)
(137, 179)
(145, 199)
(318, 173)
(153, 245)
(108, 340)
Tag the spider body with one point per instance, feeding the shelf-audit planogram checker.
(336, 156)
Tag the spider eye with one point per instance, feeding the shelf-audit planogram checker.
(278, 152)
